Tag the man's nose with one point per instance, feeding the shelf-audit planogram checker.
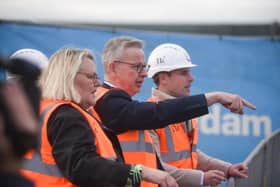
(144, 73)
(191, 78)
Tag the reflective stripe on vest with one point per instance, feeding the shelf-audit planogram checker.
(141, 145)
(127, 146)
(35, 163)
(177, 145)
(41, 169)
(173, 155)
(136, 145)
(194, 147)
(186, 156)
(138, 149)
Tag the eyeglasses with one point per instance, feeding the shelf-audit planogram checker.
(91, 76)
(139, 67)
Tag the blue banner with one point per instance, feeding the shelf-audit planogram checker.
(249, 66)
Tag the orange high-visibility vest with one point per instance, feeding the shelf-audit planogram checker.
(137, 145)
(176, 147)
(40, 166)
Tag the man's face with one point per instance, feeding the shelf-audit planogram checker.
(178, 82)
(130, 71)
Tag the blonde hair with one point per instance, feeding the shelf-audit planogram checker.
(57, 80)
(115, 46)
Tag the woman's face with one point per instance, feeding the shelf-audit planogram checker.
(86, 82)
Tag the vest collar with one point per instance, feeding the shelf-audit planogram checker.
(160, 95)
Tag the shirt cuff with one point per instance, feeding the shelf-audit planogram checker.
(201, 179)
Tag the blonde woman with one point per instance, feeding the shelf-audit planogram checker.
(74, 149)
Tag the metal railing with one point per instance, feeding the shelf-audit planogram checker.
(263, 164)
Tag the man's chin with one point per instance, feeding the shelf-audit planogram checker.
(136, 91)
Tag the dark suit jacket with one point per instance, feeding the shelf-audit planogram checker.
(120, 113)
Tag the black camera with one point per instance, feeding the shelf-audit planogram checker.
(27, 75)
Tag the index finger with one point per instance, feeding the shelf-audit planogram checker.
(248, 104)
(241, 175)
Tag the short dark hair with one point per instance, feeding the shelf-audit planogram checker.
(156, 76)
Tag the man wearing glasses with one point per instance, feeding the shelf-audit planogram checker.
(124, 65)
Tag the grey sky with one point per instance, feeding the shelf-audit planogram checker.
(143, 11)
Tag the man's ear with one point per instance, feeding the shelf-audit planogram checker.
(112, 67)
(163, 77)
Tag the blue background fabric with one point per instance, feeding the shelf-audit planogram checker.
(249, 66)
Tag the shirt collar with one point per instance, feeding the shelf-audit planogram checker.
(109, 84)
(160, 95)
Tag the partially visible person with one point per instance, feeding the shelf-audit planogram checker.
(74, 150)
(32, 61)
(170, 68)
(33, 56)
(18, 120)
(125, 69)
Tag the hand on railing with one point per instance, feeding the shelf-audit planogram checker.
(238, 170)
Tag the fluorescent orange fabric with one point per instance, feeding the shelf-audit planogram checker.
(136, 145)
(177, 147)
(41, 168)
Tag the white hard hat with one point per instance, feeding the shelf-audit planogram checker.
(32, 56)
(168, 57)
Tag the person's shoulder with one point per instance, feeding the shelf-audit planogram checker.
(112, 100)
(113, 91)
(66, 111)
(116, 93)
(66, 115)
